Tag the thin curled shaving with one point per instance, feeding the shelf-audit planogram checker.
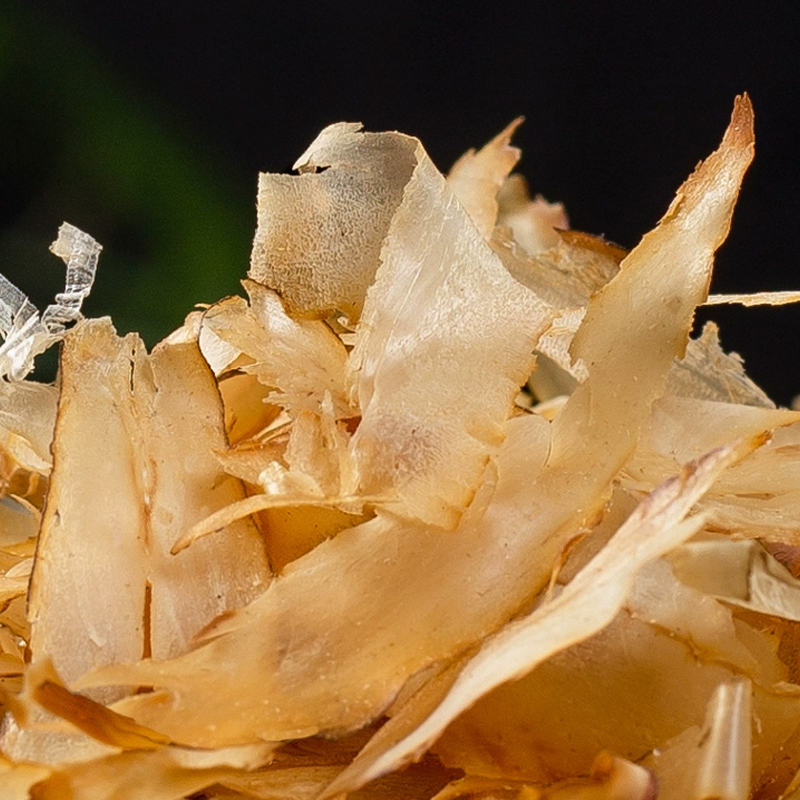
(80, 253)
(26, 334)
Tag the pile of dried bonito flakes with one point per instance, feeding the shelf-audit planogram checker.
(451, 506)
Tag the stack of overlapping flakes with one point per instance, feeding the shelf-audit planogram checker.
(451, 506)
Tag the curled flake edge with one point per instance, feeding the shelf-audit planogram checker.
(26, 332)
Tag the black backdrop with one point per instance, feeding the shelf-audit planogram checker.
(145, 123)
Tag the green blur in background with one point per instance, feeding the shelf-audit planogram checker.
(78, 145)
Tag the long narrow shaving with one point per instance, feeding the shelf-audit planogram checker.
(586, 606)
(755, 299)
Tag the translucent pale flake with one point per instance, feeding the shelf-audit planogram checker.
(26, 334)
(445, 341)
(320, 233)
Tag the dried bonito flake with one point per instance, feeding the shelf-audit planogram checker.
(311, 545)
(476, 178)
(335, 213)
(446, 341)
(26, 333)
(138, 432)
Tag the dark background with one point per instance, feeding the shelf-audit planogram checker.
(145, 124)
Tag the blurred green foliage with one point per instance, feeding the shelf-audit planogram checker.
(78, 144)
